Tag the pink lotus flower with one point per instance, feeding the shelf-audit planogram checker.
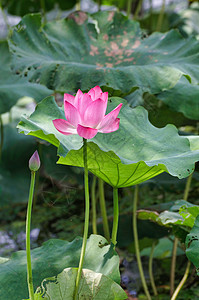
(85, 114)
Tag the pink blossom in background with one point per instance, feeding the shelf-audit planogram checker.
(85, 114)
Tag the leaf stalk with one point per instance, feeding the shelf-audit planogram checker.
(2, 136)
(128, 8)
(86, 222)
(28, 224)
(138, 8)
(151, 270)
(161, 17)
(115, 216)
(103, 209)
(174, 253)
(136, 241)
(93, 198)
(182, 282)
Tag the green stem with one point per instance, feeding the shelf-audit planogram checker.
(10, 115)
(151, 7)
(151, 270)
(59, 14)
(174, 252)
(2, 136)
(138, 8)
(115, 216)
(86, 222)
(182, 282)
(78, 5)
(161, 17)
(99, 4)
(28, 253)
(136, 241)
(128, 8)
(173, 266)
(150, 14)
(103, 209)
(93, 197)
(42, 3)
(187, 187)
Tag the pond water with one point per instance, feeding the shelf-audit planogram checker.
(9, 242)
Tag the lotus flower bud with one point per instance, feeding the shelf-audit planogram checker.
(34, 162)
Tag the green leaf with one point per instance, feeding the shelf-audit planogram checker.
(166, 218)
(187, 211)
(3, 260)
(169, 218)
(144, 214)
(162, 250)
(192, 245)
(160, 114)
(13, 87)
(51, 258)
(107, 47)
(181, 213)
(184, 97)
(139, 151)
(93, 286)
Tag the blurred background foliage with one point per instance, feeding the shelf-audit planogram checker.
(58, 203)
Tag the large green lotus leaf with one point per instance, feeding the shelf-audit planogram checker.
(51, 258)
(136, 152)
(160, 114)
(194, 142)
(166, 218)
(162, 250)
(192, 245)
(184, 97)
(13, 87)
(105, 49)
(181, 213)
(178, 106)
(22, 7)
(93, 286)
